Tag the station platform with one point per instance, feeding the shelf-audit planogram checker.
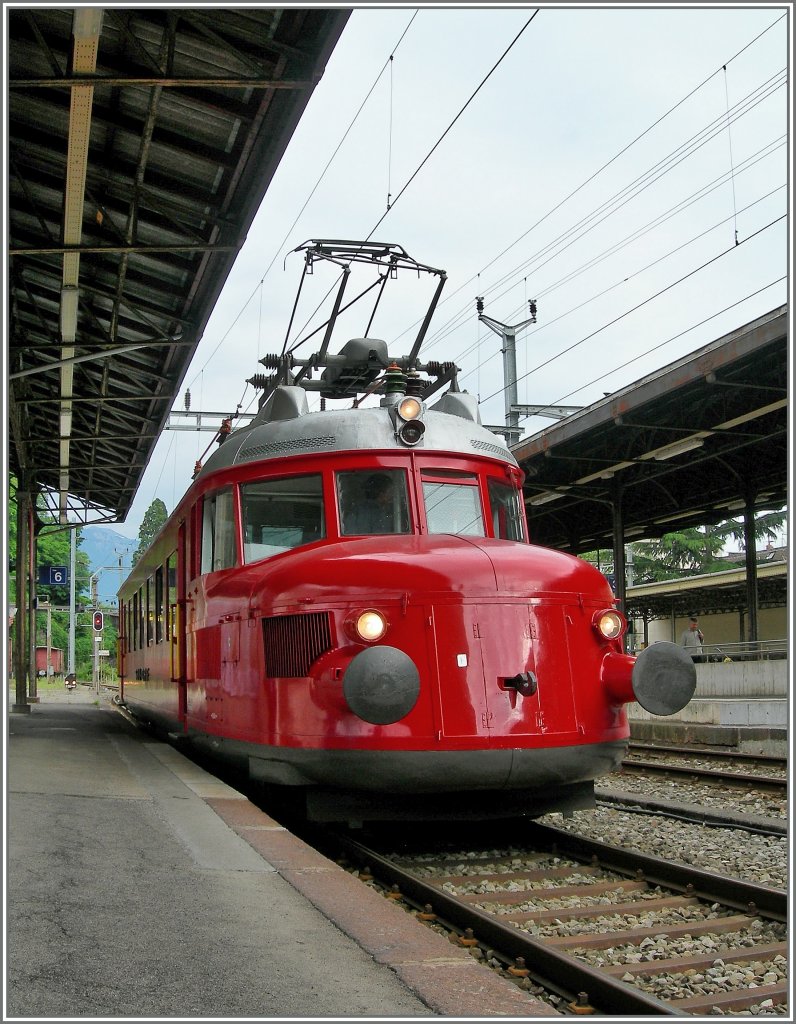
(746, 724)
(140, 886)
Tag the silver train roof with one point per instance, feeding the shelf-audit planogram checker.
(285, 426)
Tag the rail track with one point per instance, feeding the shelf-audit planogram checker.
(587, 926)
(693, 763)
(710, 753)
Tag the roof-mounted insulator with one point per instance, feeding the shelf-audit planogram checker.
(414, 383)
(394, 380)
(259, 380)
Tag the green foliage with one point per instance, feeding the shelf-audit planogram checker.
(155, 517)
(691, 552)
(53, 548)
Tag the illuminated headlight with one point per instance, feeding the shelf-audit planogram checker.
(409, 408)
(610, 624)
(370, 626)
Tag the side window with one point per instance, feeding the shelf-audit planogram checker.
(218, 532)
(372, 501)
(171, 584)
(159, 612)
(150, 609)
(132, 624)
(281, 514)
(508, 520)
(141, 615)
(453, 503)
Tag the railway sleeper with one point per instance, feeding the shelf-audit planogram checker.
(601, 910)
(738, 999)
(733, 923)
(701, 961)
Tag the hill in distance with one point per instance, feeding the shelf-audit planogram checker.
(107, 551)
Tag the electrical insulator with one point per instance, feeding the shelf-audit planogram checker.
(479, 304)
(187, 399)
(532, 305)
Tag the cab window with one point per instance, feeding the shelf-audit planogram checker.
(508, 520)
(281, 514)
(218, 532)
(453, 503)
(372, 502)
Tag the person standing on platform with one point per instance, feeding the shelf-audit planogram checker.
(692, 639)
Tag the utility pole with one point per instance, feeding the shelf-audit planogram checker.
(72, 592)
(508, 333)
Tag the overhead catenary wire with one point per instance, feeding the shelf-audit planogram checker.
(668, 341)
(620, 198)
(554, 320)
(304, 205)
(679, 208)
(639, 305)
(605, 166)
(436, 145)
(430, 153)
(634, 236)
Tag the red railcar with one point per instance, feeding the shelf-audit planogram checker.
(345, 602)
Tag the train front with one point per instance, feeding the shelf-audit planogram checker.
(435, 664)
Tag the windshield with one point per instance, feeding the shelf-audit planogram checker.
(507, 515)
(372, 501)
(281, 514)
(453, 504)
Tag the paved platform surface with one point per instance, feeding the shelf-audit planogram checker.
(139, 886)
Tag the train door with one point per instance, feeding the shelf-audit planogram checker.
(527, 670)
(463, 709)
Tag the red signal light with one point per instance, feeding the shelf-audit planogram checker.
(98, 621)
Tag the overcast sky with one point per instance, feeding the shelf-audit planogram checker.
(609, 156)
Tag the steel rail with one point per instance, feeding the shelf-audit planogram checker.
(771, 903)
(732, 778)
(552, 967)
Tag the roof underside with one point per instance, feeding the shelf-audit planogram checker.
(724, 406)
(141, 144)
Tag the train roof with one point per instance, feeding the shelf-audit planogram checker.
(286, 427)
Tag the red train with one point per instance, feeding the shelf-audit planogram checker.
(345, 603)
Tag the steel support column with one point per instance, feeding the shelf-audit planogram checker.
(21, 705)
(750, 543)
(620, 585)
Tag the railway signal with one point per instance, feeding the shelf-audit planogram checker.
(98, 621)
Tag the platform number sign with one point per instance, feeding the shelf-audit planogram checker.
(53, 575)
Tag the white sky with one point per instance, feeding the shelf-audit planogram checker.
(576, 89)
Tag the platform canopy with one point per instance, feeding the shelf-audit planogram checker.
(141, 142)
(700, 441)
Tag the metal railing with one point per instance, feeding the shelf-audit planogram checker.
(748, 650)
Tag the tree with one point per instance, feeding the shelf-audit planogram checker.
(155, 517)
(53, 544)
(690, 552)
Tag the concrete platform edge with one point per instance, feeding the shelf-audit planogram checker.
(445, 977)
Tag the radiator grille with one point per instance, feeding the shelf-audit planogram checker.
(293, 642)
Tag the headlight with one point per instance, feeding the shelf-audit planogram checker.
(409, 408)
(609, 623)
(370, 626)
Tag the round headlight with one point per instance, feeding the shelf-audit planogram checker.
(610, 623)
(409, 408)
(411, 433)
(370, 626)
